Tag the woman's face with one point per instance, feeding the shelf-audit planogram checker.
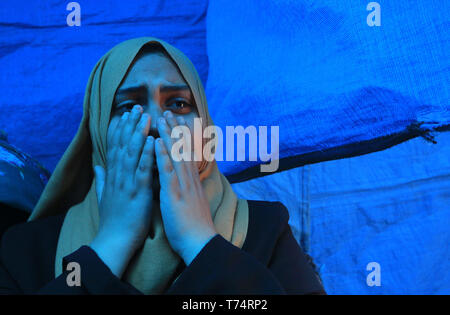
(154, 82)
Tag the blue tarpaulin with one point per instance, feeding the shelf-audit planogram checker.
(390, 207)
(45, 64)
(329, 80)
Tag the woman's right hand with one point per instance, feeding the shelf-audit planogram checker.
(124, 190)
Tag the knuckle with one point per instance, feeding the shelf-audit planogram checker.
(168, 168)
(131, 150)
(176, 195)
(142, 166)
(173, 176)
(126, 130)
(131, 188)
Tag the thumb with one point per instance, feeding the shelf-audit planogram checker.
(99, 181)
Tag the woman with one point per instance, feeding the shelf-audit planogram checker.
(133, 228)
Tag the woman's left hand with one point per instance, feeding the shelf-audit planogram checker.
(184, 207)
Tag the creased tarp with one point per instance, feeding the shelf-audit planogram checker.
(320, 73)
(390, 207)
(45, 64)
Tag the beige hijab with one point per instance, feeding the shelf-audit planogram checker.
(72, 184)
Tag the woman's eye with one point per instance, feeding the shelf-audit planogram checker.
(179, 107)
(122, 107)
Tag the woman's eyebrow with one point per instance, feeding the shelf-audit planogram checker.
(132, 89)
(162, 88)
(173, 88)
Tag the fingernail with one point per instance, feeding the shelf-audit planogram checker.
(125, 115)
(135, 112)
(168, 113)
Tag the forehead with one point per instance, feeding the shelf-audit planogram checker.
(153, 68)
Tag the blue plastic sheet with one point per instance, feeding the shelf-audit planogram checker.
(316, 69)
(389, 207)
(45, 64)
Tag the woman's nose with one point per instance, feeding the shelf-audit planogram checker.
(154, 110)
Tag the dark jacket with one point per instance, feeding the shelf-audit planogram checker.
(270, 262)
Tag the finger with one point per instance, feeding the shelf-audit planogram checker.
(130, 125)
(137, 142)
(170, 118)
(165, 132)
(167, 174)
(123, 171)
(193, 173)
(163, 160)
(113, 134)
(113, 141)
(191, 166)
(144, 171)
(99, 181)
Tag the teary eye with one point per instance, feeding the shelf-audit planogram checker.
(125, 106)
(179, 106)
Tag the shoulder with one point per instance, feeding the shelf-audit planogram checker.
(28, 252)
(26, 239)
(45, 227)
(267, 222)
